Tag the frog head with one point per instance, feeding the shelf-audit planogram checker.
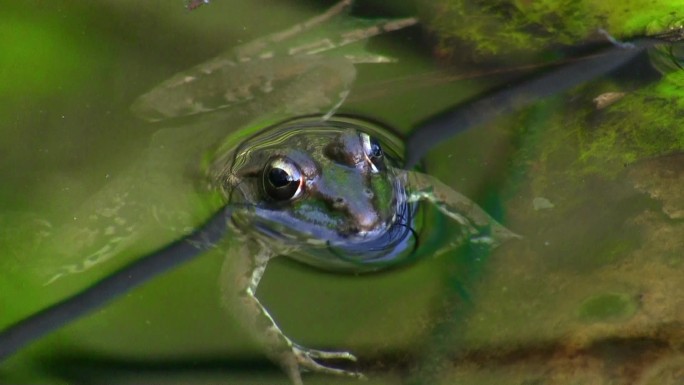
(312, 185)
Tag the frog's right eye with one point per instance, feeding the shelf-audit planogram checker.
(372, 151)
(282, 180)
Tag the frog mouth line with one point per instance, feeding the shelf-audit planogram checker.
(279, 225)
(321, 247)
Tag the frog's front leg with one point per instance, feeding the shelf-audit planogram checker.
(241, 272)
(478, 226)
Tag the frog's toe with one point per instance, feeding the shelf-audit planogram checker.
(324, 354)
(493, 235)
(307, 360)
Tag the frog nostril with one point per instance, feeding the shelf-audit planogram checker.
(339, 203)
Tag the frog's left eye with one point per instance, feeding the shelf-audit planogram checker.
(373, 151)
(282, 179)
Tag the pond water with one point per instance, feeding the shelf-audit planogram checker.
(592, 294)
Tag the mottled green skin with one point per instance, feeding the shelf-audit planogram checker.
(338, 179)
(345, 196)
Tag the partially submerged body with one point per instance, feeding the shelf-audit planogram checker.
(325, 192)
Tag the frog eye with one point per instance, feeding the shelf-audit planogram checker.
(282, 180)
(372, 151)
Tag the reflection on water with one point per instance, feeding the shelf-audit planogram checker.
(592, 295)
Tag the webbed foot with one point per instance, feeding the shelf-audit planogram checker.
(493, 235)
(478, 226)
(306, 359)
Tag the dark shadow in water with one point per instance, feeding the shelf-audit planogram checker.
(638, 352)
(89, 368)
(86, 368)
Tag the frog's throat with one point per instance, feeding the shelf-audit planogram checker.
(283, 225)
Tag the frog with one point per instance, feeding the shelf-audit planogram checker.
(285, 185)
(325, 189)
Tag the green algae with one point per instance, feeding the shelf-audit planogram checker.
(575, 140)
(513, 26)
(608, 307)
(500, 27)
(632, 17)
(644, 124)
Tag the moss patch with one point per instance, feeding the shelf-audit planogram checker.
(513, 26)
(643, 124)
(500, 27)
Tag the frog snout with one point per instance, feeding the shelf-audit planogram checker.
(366, 221)
(361, 214)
